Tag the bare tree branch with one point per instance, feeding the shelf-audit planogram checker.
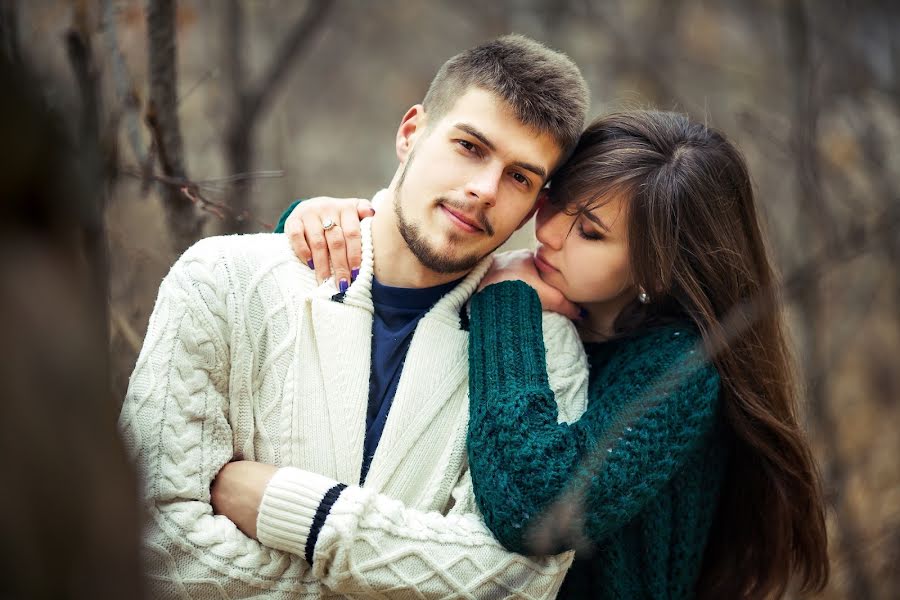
(250, 104)
(192, 191)
(290, 50)
(648, 62)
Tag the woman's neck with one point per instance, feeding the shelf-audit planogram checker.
(599, 324)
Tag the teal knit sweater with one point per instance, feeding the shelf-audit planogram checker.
(649, 449)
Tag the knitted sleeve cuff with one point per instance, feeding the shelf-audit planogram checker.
(294, 508)
(279, 227)
(507, 339)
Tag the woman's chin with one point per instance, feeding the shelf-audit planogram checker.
(553, 280)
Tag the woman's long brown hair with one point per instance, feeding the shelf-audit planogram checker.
(696, 246)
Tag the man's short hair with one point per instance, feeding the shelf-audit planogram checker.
(544, 87)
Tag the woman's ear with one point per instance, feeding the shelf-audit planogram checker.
(412, 124)
(543, 197)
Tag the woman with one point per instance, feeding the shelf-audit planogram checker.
(688, 473)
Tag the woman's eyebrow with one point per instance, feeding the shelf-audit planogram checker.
(595, 219)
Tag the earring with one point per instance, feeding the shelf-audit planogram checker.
(643, 296)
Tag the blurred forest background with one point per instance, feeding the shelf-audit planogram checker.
(212, 115)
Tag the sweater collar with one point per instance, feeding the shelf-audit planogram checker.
(359, 293)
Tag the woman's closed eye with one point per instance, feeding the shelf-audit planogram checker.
(589, 233)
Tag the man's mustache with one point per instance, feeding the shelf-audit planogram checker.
(463, 207)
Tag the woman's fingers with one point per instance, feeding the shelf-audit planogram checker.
(315, 239)
(335, 250)
(296, 234)
(566, 308)
(553, 300)
(353, 241)
(364, 209)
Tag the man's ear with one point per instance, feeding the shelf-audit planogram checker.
(411, 126)
(542, 198)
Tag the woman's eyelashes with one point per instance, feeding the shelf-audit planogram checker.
(589, 234)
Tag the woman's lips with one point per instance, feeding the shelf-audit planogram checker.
(542, 265)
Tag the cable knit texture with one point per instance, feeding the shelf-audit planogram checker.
(648, 453)
(246, 357)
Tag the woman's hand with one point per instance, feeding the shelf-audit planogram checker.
(340, 246)
(518, 265)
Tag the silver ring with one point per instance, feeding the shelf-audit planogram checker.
(328, 224)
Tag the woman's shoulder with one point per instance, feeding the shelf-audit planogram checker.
(670, 340)
(674, 347)
(663, 374)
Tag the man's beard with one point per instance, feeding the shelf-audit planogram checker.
(422, 248)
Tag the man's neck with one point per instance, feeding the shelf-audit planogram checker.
(395, 264)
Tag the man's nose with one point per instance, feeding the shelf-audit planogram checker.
(483, 185)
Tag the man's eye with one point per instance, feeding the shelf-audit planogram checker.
(521, 178)
(468, 146)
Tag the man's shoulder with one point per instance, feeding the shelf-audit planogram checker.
(254, 250)
(232, 259)
(230, 246)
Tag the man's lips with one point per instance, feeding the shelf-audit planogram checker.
(463, 221)
(542, 265)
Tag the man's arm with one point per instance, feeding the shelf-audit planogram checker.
(359, 541)
(175, 422)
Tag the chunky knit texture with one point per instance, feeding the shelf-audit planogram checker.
(647, 454)
(246, 357)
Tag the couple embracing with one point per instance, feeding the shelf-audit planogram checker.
(375, 405)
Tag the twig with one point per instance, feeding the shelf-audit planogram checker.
(128, 333)
(197, 85)
(191, 190)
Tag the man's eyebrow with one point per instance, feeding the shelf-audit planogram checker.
(595, 219)
(536, 169)
(477, 135)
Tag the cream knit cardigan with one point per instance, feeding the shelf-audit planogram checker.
(246, 357)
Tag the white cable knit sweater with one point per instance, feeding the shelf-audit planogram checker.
(245, 357)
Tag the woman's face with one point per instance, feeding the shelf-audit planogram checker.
(586, 256)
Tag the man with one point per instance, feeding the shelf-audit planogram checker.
(332, 423)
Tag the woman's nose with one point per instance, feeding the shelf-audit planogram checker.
(552, 226)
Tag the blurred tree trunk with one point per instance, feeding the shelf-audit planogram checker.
(96, 163)
(182, 217)
(9, 33)
(820, 225)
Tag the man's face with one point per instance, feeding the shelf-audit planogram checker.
(468, 181)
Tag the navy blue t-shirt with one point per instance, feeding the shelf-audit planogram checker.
(397, 312)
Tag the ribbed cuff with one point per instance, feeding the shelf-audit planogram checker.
(287, 513)
(279, 227)
(507, 337)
